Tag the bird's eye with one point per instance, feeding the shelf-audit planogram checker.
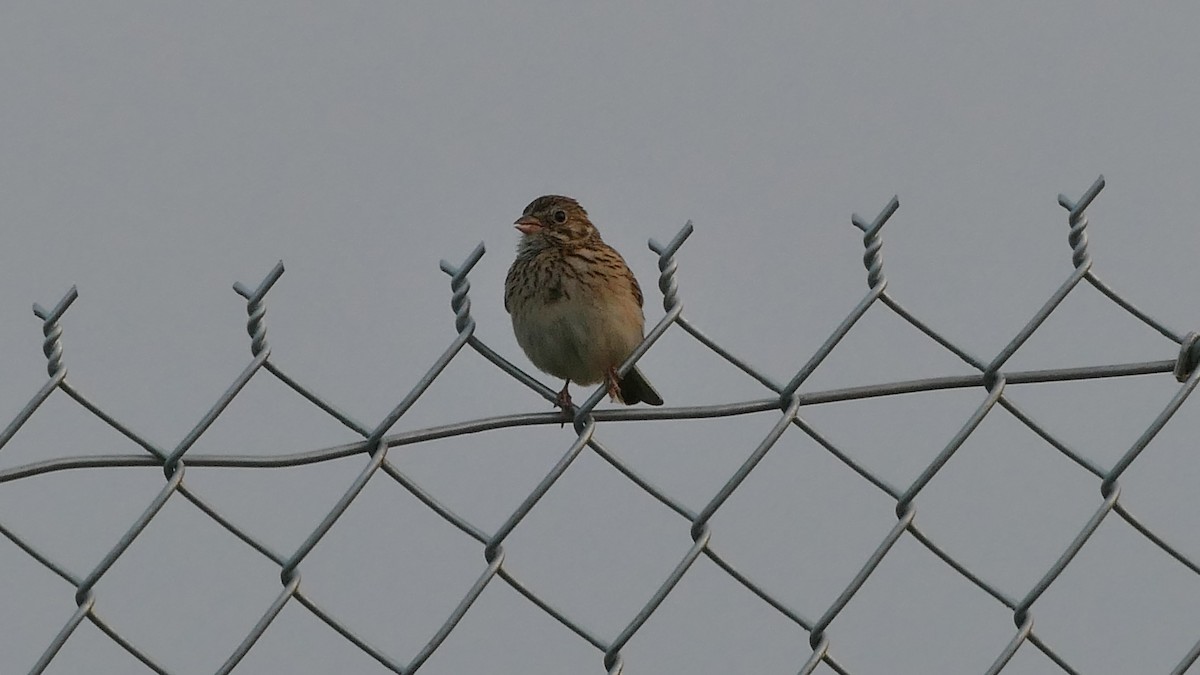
(559, 216)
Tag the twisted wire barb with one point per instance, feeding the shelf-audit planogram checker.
(52, 348)
(1077, 219)
(872, 259)
(256, 310)
(787, 401)
(52, 345)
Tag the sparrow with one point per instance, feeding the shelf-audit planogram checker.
(576, 307)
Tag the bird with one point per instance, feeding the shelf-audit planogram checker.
(575, 305)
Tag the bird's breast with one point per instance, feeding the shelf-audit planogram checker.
(574, 321)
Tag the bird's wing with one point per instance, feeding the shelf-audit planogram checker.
(637, 290)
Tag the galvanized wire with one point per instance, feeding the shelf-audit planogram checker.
(786, 398)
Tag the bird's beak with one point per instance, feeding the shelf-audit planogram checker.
(528, 225)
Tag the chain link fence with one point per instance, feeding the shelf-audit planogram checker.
(787, 400)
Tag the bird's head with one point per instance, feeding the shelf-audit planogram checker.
(554, 219)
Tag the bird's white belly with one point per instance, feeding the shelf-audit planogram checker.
(578, 340)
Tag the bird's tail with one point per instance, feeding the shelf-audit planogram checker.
(636, 389)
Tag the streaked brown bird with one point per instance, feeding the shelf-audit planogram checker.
(576, 307)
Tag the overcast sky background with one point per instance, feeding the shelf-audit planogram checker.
(153, 153)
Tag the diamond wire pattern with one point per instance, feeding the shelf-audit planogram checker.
(787, 398)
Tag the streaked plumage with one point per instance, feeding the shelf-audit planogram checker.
(576, 307)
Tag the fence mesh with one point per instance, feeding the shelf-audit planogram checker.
(788, 400)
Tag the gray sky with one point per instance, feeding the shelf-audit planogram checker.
(153, 153)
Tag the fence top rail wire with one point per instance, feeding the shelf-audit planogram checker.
(784, 399)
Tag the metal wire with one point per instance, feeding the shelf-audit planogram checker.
(787, 399)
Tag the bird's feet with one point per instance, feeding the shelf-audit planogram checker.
(564, 397)
(614, 385)
(564, 401)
